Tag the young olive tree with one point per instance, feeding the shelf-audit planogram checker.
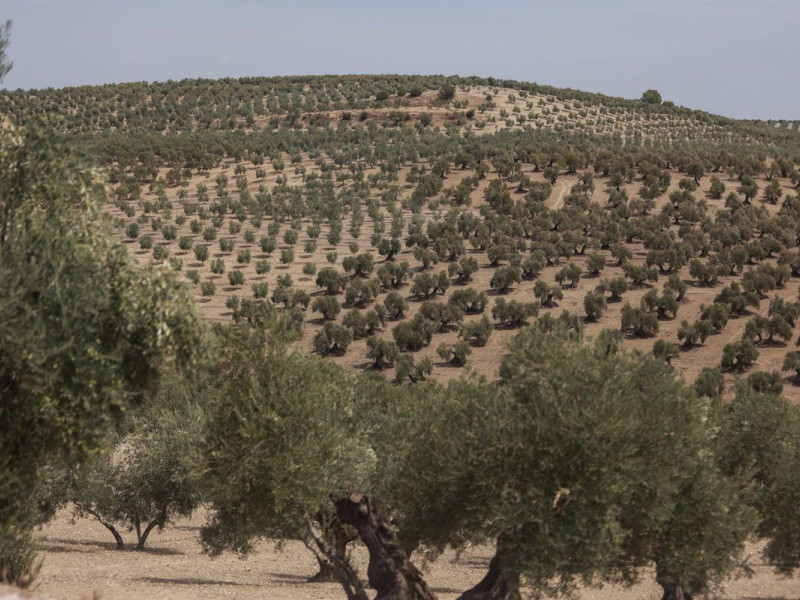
(143, 482)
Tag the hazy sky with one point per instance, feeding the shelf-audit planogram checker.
(739, 58)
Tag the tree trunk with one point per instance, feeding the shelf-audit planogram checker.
(674, 591)
(142, 535)
(115, 533)
(390, 571)
(338, 564)
(498, 584)
(341, 538)
(107, 525)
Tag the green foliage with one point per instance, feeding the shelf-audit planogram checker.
(273, 410)
(514, 313)
(476, 332)
(760, 442)
(737, 356)
(331, 280)
(548, 295)
(651, 97)
(455, 354)
(638, 321)
(328, 306)
(469, 300)
(332, 339)
(143, 482)
(414, 372)
(571, 272)
(83, 333)
(594, 304)
(395, 305)
(579, 394)
(236, 277)
(414, 334)
(382, 352)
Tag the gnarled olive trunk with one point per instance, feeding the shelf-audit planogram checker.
(390, 571)
(340, 538)
(499, 583)
(334, 562)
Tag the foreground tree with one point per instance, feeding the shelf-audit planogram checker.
(83, 333)
(760, 444)
(274, 409)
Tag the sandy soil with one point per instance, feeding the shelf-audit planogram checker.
(483, 360)
(81, 564)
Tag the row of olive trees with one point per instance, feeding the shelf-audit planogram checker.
(587, 463)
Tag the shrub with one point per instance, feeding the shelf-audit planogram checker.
(201, 253)
(268, 244)
(463, 270)
(514, 313)
(287, 256)
(504, 278)
(595, 263)
(442, 315)
(394, 275)
(260, 290)
(469, 301)
(426, 285)
(571, 273)
(739, 355)
(533, 264)
(360, 292)
(546, 294)
(476, 332)
(382, 352)
(638, 321)
(665, 350)
(395, 305)
(594, 304)
(454, 353)
(408, 369)
(207, 288)
(331, 280)
(447, 91)
(217, 266)
(262, 267)
(332, 339)
(328, 306)
(414, 335)
(236, 277)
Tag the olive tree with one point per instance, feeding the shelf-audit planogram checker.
(143, 481)
(83, 333)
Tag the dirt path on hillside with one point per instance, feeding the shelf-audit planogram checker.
(560, 189)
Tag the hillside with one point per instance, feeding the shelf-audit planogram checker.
(252, 187)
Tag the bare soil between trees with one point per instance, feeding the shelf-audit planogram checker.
(80, 563)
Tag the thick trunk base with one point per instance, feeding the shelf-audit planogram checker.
(340, 537)
(675, 592)
(496, 585)
(390, 571)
